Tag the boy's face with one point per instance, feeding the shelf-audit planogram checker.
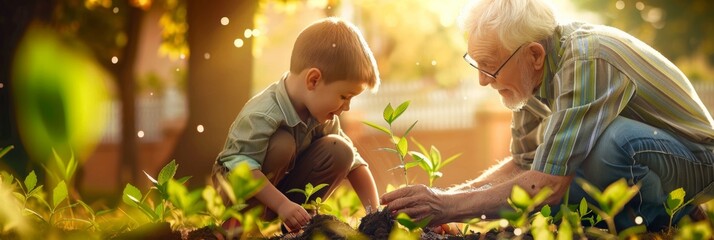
(327, 100)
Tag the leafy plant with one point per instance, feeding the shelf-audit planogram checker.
(611, 201)
(316, 204)
(400, 143)
(523, 204)
(674, 203)
(430, 161)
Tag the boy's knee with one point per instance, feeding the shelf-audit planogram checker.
(339, 152)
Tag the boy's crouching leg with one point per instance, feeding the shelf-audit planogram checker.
(327, 160)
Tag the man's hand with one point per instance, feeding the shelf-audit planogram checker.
(293, 215)
(419, 202)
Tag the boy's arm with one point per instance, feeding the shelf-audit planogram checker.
(363, 183)
(292, 214)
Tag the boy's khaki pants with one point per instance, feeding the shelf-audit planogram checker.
(327, 160)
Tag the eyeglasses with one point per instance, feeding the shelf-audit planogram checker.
(473, 63)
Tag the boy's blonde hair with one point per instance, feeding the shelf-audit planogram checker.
(338, 49)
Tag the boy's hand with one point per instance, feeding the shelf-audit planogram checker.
(293, 215)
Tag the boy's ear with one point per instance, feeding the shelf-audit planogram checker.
(312, 78)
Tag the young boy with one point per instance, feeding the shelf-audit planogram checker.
(290, 135)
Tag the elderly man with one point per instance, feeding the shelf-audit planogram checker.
(588, 102)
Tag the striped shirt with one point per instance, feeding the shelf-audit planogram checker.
(593, 74)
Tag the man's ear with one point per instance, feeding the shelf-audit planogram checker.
(536, 52)
(312, 78)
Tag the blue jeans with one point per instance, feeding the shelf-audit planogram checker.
(659, 161)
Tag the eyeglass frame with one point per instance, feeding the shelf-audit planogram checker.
(473, 63)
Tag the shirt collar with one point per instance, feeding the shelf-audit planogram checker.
(554, 52)
(292, 119)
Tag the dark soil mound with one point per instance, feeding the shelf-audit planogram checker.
(326, 226)
(377, 225)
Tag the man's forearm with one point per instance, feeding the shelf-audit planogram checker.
(496, 174)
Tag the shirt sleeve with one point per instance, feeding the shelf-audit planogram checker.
(589, 94)
(334, 128)
(248, 140)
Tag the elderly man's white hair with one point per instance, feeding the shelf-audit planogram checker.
(514, 21)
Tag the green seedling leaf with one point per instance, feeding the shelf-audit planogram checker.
(297, 190)
(378, 127)
(402, 146)
(406, 221)
(167, 172)
(59, 194)
(156, 183)
(675, 200)
(545, 211)
(400, 109)
(388, 114)
(583, 208)
(30, 181)
(565, 231)
(131, 195)
(183, 180)
(520, 198)
(410, 128)
(5, 150)
(59, 162)
(316, 188)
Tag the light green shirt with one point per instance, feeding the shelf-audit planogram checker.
(592, 75)
(262, 116)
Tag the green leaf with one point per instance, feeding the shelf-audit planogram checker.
(31, 181)
(5, 150)
(318, 187)
(380, 128)
(520, 198)
(406, 221)
(388, 113)
(59, 162)
(59, 194)
(131, 195)
(675, 200)
(167, 172)
(71, 167)
(402, 146)
(297, 190)
(545, 210)
(565, 231)
(583, 208)
(400, 109)
(152, 179)
(410, 128)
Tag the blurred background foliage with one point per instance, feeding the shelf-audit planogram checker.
(680, 30)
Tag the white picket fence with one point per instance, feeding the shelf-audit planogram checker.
(434, 108)
(151, 113)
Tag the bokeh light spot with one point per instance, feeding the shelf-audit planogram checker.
(199, 128)
(225, 21)
(238, 42)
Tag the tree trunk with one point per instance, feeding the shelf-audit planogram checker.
(128, 168)
(219, 81)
